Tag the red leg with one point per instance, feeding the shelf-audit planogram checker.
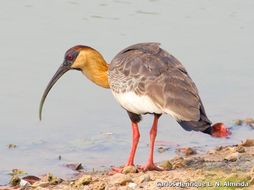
(153, 132)
(135, 140)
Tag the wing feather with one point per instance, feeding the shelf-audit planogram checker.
(149, 70)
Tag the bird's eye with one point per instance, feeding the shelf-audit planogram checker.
(69, 57)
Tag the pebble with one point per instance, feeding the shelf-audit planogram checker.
(232, 157)
(166, 165)
(249, 121)
(130, 169)
(84, 180)
(178, 163)
(99, 186)
(53, 180)
(248, 143)
(24, 183)
(240, 149)
(120, 179)
(211, 151)
(187, 151)
(40, 184)
(15, 180)
(219, 148)
(132, 185)
(10, 146)
(31, 179)
(162, 149)
(238, 122)
(230, 149)
(144, 178)
(75, 166)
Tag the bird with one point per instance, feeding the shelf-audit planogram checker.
(144, 79)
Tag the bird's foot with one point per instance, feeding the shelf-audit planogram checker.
(219, 130)
(150, 167)
(129, 168)
(117, 169)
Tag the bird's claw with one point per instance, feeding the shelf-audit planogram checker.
(150, 167)
(130, 168)
(117, 169)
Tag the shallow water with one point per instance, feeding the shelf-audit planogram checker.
(213, 39)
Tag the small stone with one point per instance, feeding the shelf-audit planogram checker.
(162, 149)
(211, 151)
(152, 175)
(187, 151)
(84, 180)
(53, 180)
(240, 149)
(248, 143)
(130, 169)
(99, 186)
(132, 185)
(249, 121)
(230, 149)
(40, 184)
(15, 180)
(219, 148)
(178, 165)
(75, 166)
(120, 179)
(10, 146)
(24, 183)
(166, 165)
(238, 122)
(232, 157)
(252, 181)
(17, 172)
(144, 178)
(31, 179)
(194, 162)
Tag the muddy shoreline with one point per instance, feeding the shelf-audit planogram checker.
(225, 167)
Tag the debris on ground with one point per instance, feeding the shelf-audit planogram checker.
(224, 165)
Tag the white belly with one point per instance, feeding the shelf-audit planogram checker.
(137, 104)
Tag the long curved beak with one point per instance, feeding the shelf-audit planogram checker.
(62, 69)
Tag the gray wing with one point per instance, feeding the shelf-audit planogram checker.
(149, 70)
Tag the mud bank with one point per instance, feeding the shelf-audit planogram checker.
(229, 167)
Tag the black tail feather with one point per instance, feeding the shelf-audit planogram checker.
(203, 125)
(200, 125)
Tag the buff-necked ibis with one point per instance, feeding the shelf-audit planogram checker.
(144, 79)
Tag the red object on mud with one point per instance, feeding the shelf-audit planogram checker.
(219, 130)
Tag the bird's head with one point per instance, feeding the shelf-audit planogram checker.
(82, 58)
